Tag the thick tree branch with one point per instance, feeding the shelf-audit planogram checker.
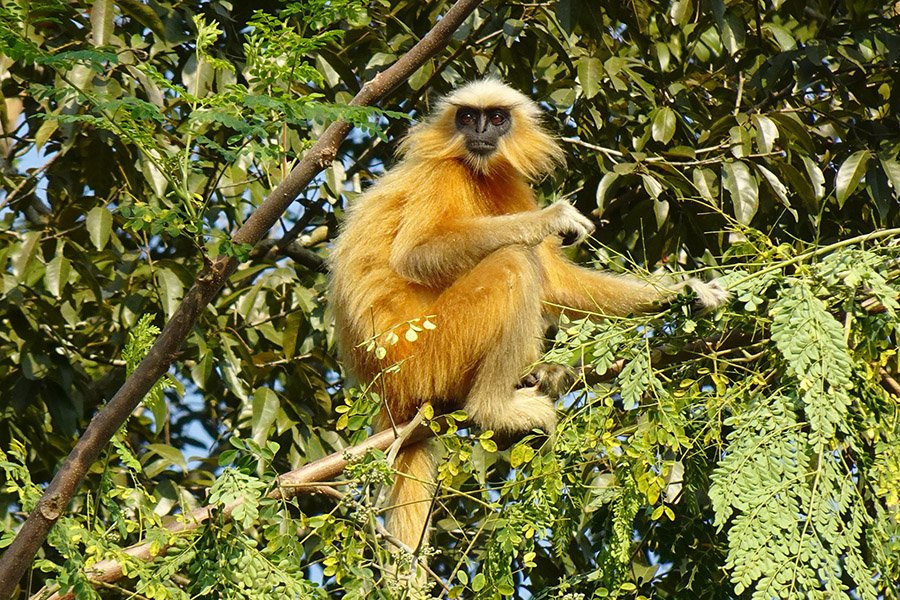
(289, 485)
(19, 555)
(303, 480)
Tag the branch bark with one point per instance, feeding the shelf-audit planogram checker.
(290, 484)
(304, 479)
(19, 555)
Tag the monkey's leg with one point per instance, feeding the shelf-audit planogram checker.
(489, 330)
(505, 302)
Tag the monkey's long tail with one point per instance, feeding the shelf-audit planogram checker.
(409, 503)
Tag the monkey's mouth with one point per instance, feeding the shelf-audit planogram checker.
(481, 148)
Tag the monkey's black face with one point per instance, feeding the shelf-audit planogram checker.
(482, 128)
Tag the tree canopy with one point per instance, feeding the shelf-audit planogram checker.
(750, 452)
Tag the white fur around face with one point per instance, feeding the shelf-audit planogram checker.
(488, 93)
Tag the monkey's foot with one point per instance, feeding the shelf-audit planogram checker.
(527, 409)
(709, 294)
(550, 379)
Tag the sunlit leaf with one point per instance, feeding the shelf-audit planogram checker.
(171, 289)
(816, 178)
(680, 12)
(652, 185)
(56, 276)
(766, 133)
(661, 212)
(663, 127)
(603, 189)
(849, 175)
(590, 72)
(264, 410)
(779, 188)
(743, 189)
(891, 168)
(99, 226)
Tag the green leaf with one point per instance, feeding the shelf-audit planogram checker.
(705, 183)
(891, 168)
(99, 226)
(56, 276)
(47, 129)
(512, 30)
(171, 290)
(779, 188)
(478, 582)
(635, 378)
(816, 178)
(291, 333)
(421, 76)
(850, 174)
(603, 189)
(661, 212)
(663, 127)
(427, 412)
(652, 185)
(520, 454)
(766, 133)
(743, 188)
(155, 400)
(488, 444)
(102, 15)
(781, 35)
(731, 30)
(265, 409)
(23, 258)
(173, 455)
(680, 12)
(590, 73)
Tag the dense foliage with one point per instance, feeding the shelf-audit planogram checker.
(753, 452)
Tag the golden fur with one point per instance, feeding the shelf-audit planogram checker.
(461, 237)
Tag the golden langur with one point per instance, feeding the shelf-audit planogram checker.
(453, 231)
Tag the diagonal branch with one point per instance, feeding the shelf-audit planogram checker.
(55, 500)
(306, 478)
(289, 485)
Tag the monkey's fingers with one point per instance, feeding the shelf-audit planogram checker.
(709, 294)
(569, 224)
(570, 238)
(550, 379)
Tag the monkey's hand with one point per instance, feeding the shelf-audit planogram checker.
(709, 294)
(564, 220)
(551, 380)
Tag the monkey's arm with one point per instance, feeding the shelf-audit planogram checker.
(440, 251)
(586, 290)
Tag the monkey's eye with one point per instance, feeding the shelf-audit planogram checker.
(466, 117)
(497, 118)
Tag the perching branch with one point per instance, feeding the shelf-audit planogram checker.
(55, 500)
(289, 485)
(305, 478)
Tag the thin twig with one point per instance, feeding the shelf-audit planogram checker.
(889, 382)
(18, 556)
(307, 479)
